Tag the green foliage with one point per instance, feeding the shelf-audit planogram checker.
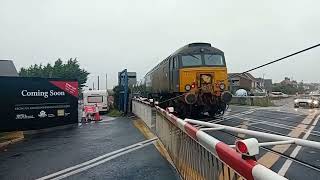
(117, 94)
(116, 97)
(287, 88)
(70, 70)
(114, 113)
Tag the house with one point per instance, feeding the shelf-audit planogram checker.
(264, 85)
(288, 81)
(7, 68)
(260, 83)
(242, 81)
(268, 85)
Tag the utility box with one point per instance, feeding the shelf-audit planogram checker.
(132, 78)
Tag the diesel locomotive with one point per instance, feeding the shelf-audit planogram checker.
(193, 80)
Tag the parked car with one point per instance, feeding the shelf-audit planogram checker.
(278, 94)
(306, 101)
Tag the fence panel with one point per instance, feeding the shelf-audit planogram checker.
(197, 155)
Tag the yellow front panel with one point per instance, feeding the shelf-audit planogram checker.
(189, 75)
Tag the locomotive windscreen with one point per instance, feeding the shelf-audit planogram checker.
(213, 60)
(191, 60)
(202, 60)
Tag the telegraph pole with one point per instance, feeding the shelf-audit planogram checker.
(98, 83)
(106, 81)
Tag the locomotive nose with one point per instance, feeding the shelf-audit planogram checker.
(226, 97)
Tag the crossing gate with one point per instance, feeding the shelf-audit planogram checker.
(196, 154)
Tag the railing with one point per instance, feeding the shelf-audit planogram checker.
(196, 154)
(192, 160)
(144, 111)
(251, 100)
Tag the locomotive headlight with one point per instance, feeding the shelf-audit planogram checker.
(222, 86)
(187, 87)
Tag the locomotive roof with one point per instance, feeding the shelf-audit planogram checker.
(195, 47)
(199, 47)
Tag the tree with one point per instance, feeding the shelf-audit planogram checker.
(70, 70)
(285, 88)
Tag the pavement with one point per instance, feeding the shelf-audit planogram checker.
(10, 138)
(294, 162)
(123, 151)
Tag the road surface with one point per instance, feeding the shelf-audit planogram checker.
(294, 162)
(44, 154)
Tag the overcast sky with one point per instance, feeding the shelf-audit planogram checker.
(108, 36)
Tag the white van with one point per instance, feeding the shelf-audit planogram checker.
(96, 97)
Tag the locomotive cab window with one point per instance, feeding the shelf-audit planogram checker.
(191, 60)
(175, 63)
(213, 60)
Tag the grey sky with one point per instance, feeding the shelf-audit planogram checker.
(108, 36)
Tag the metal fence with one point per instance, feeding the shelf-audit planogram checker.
(197, 155)
(145, 112)
(192, 160)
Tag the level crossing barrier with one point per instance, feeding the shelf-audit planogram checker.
(196, 154)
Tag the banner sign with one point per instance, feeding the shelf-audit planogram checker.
(36, 103)
(90, 109)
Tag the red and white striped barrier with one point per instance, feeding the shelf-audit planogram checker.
(91, 112)
(247, 168)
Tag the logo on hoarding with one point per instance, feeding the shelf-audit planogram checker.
(51, 115)
(24, 116)
(60, 112)
(42, 114)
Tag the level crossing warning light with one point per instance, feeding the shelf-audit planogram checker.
(248, 147)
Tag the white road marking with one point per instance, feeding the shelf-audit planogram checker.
(228, 117)
(101, 158)
(283, 118)
(108, 119)
(296, 150)
(237, 115)
(100, 162)
(252, 121)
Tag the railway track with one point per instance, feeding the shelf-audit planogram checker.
(272, 122)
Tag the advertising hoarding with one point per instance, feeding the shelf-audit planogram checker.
(29, 103)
